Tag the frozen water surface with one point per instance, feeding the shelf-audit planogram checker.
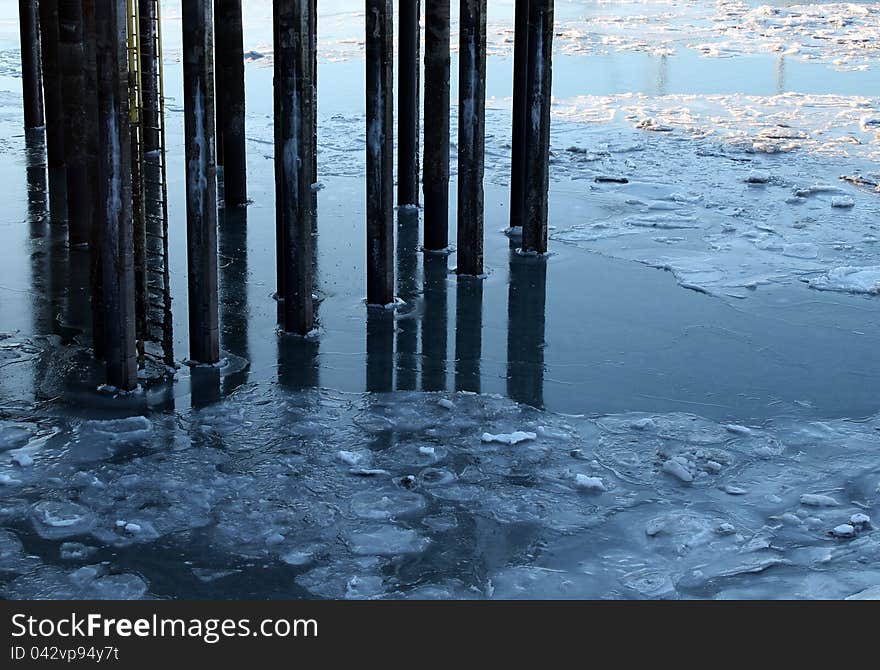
(680, 402)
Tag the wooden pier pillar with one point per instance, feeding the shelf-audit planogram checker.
(52, 83)
(149, 64)
(380, 147)
(231, 100)
(114, 164)
(313, 15)
(71, 56)
(293, 163)
(518, 139)
(201, 181)
(435, 176)
(471, 136)
(539, 97)
(31, 72)
(408, 71)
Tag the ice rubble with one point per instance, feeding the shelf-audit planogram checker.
(661, 506)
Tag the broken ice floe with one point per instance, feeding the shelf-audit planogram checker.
(686, 506)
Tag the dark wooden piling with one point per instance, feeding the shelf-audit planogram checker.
(92, 151)
(231, 100)
(471, 135)
(408, 71)
(518, 138)
(435, 177)
(149, 64)
(117, 252)
(31, 73)
(313, 15)
(537, 157)
(52, 83)
(71, 57)
(380, 145)
(293, 163)
(201, 182)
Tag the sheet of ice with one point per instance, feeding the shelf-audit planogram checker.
(849, 280)
(587, 508)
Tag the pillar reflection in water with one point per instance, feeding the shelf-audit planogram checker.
(204, 385)
(380, 350)
(407, 332)
(435, 323)
(468, 333)
(234, 309)
(525, 328)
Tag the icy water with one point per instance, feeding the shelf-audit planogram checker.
(688, 382)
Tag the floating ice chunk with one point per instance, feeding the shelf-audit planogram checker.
(274, 538)
(870, 593)
(726, 529)
(387, 541)
(446, 403)
(8, 480)
(843, 202)
(427, 451)
(818, 500)
(756, 177)
(644, 424)
(76, 551)
(676, 468)
(349, 457)
(54, 519)
(653, 125)
(849, 280)
(359, 588)
(586, 483)
(133, 528)
(297, 557)
(734, 490)
(22, 460)
(509, 438)
(844, 530)
(860, 520)
(738, 430)
(369, 472)
(386, 504)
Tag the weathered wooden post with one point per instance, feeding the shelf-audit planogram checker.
(293, 163)
(471, 136)
(201, 182)
(408, 72)
(435, 176)
(380, 159)
(114, 164)
(149, 64)
(52, 83)
(537, 157)
(313, 14)
(31, 73)
(518, 139)
(231, 100)
(71, 56)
